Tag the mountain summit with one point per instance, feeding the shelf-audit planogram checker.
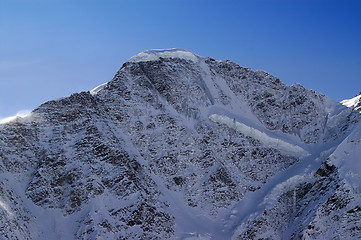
(353, 102)
(156, 54)
(178, 146)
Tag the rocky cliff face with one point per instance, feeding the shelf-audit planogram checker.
(179, 146)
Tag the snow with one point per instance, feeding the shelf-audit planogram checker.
(351, 102)
(97, 89)
(20, 114)
(347, 158)
(287, 185)
(156, 54)
(193, 222)
(46, 223)
(254, 203)
(285, 147)
(6, 208)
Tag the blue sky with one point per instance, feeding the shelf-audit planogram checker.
(52, 48)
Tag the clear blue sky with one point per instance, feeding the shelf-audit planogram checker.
(52, 48)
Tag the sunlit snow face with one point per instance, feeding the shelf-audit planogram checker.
(153, 55)
(21, 114)
(353, 102)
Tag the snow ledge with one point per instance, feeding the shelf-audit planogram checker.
(285, 147)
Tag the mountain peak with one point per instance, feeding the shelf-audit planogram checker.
(353, 102)
(177, 146)
(156, 54)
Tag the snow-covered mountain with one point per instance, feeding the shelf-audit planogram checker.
(353, 102)
(179, 146)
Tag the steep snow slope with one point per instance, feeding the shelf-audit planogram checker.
(180, 146)
(353, 102)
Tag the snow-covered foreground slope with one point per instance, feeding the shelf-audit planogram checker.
(179, 146)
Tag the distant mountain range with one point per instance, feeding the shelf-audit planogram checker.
(178, 146)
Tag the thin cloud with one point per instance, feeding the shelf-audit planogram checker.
(9, 64)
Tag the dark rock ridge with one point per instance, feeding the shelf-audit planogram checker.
(179, 146)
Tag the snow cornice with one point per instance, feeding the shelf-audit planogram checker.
(156, 54)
